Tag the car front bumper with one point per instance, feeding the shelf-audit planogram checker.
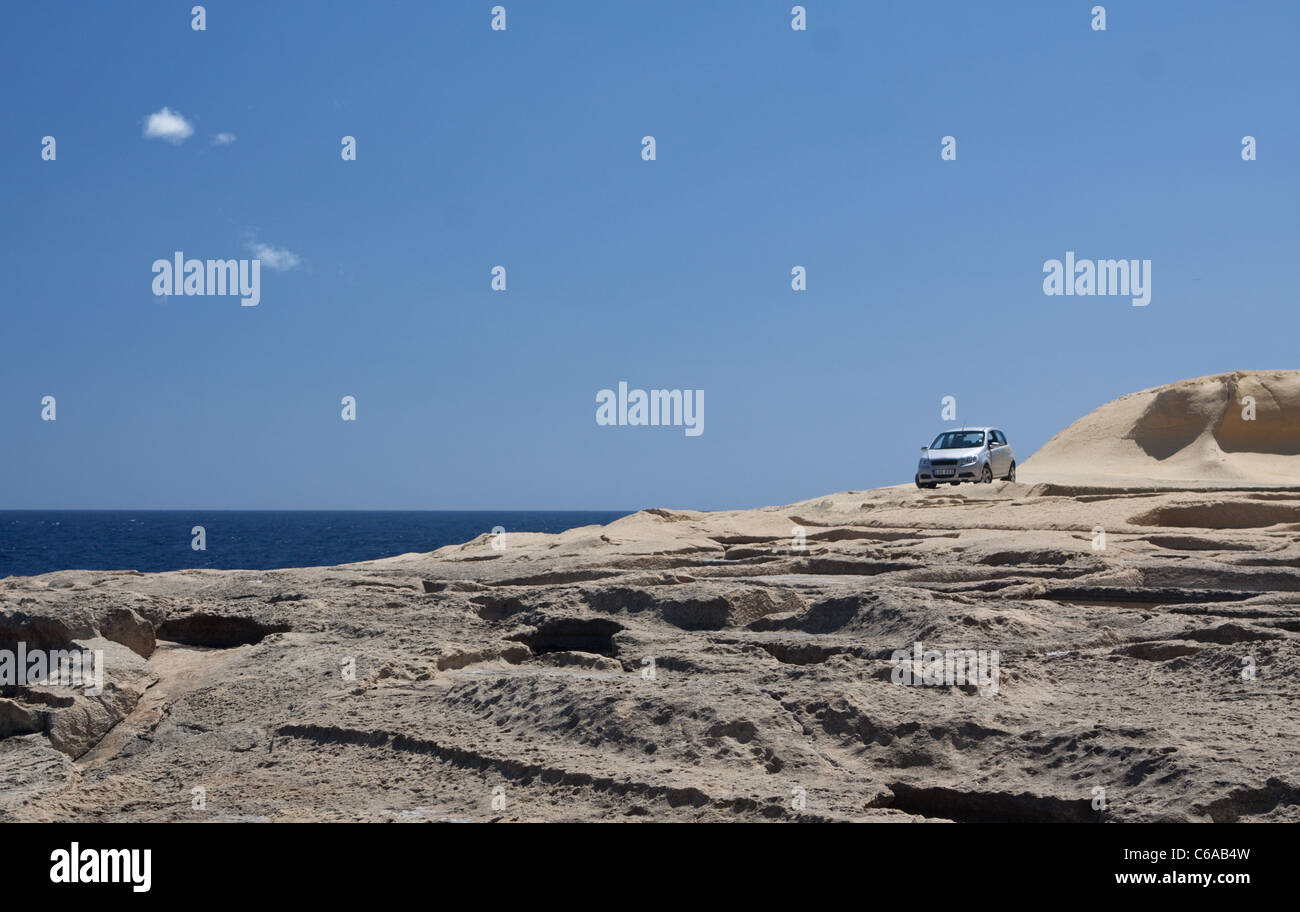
(947, 473)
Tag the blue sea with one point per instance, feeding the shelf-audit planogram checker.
(39, 541)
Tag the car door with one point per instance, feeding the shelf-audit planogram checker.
(998, 453)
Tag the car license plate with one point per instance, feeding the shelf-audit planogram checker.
(945, 471)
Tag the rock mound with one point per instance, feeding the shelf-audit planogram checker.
(1241, 427)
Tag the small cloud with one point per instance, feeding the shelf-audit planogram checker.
(276, 258)
(169, 125)
(223, 139)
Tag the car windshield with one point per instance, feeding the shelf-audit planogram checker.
(958, 440)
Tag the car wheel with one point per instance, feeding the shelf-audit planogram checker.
(954, 483)
(986, 477)
(922, 484)
(1011, 473)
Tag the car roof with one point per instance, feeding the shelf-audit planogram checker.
(988, 427)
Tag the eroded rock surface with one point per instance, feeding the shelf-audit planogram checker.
(678, 665)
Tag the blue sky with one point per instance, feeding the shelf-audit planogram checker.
(522, 148)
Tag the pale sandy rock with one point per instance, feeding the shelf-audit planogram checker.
(1190, 431)
(679, 665)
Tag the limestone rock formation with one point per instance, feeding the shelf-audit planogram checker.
(740, 665)
(1238, 427)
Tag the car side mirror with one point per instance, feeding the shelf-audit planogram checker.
(925, 449)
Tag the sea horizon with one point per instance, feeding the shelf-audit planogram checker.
(33, 542)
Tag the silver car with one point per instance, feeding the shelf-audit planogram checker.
(968, 454)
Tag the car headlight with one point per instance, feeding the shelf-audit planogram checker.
(968, 460)
(925, 462)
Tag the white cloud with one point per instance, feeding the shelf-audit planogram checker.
(276, 258)
(223, 139)
(169, 125)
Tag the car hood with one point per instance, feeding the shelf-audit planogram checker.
(952, 454)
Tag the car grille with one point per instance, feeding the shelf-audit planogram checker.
(943, 462)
